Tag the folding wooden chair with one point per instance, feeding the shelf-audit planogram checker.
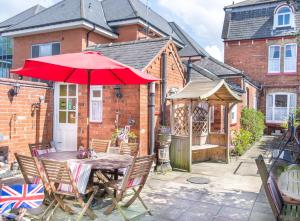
(38, 146)
(131, 149)
(100, 146)
(59, 174)
(33, 174)
(135, 179)
(281, 210)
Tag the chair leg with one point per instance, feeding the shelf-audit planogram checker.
(115, 201)
(47, 210)
(133, 198)
(61, 203)
(86, 208)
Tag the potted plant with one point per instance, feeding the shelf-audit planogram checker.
(132, 137)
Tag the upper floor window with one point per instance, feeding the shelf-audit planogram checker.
(42, 50)
(284, 16)
(290, 58)
(274, 59)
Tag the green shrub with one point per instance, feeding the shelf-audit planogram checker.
(242, 141)
(254, 122)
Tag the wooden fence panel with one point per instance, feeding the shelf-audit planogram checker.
(180, 153)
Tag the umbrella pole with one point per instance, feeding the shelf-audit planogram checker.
(88, 109)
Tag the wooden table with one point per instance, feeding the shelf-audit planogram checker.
(104, 161)
(289, 184)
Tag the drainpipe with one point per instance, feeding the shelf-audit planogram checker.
(88, 35)
(151, 107)
(164, 89)
(189, 69)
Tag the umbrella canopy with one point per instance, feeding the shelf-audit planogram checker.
(90, 68)
(83, 68)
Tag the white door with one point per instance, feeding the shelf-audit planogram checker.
(65, 116)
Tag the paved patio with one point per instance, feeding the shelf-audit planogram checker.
(233, 194)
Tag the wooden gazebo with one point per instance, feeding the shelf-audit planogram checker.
(192, 139)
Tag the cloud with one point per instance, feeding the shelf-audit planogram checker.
(216, 52)
(14, 7)
(201, 18)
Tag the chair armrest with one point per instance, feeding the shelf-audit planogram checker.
(288, 200)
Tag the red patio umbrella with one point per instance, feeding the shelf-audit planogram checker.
(90, 68)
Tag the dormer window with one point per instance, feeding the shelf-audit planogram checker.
(284, 17)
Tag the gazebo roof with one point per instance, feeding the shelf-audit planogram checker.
(217, 90)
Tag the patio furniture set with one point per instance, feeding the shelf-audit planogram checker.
(283, 187)
(69, 181)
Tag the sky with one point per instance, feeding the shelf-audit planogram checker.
(202, 19)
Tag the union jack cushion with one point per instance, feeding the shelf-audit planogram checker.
(81, 174)
(21, 196)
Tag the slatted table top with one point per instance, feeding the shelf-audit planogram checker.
(104, 161)
(289, 184)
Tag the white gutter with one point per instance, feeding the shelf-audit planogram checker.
(59, 27)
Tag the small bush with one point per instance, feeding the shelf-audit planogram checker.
(254, 122)
(242, 141)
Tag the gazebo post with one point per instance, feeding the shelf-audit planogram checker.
(227, 132)
(209, 117)
(190, 118)
(172, 116)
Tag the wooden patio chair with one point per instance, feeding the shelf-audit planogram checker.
(33, 174)
(58, 174)
(131, 149)
(38, 146)
(100, 146)
(282, 211)
(134, 179)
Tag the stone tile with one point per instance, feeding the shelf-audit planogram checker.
(220, 218)
(189, 216)
(262, 208)
(234, 213)
(258, 216)
(205, 209)
(262, 198)
(239, 199)
(171, 213)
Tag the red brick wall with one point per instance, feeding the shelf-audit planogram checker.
(19, 123)
(252, 57)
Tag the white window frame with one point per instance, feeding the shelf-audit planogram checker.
(97, 99)
(296, 48)
(44, 44)
(234, 112)
(269, 59)
(255, 100)
(273, 106)
(276, 17)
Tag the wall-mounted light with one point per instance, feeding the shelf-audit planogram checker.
(152, 88)
(14, 91)
(118, 91)
(41, 99)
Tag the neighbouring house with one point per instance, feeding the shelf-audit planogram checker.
(260, 39)
(125, 30)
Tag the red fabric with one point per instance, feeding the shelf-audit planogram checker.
(73, 68)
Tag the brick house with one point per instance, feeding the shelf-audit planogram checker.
(125, 30)
(259, 38)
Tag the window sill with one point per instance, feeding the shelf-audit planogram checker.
(95, 122)
(282, 74)
(233, 124)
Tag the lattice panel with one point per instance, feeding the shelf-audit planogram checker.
(200, 121)
(181, 126)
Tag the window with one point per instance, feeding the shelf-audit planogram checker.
(290, 58)
(96, 104)
(279, 106)
(255, 102)
(42, 50)
(274, 59)
(234, 114)
(5, 56)
(284, 17)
